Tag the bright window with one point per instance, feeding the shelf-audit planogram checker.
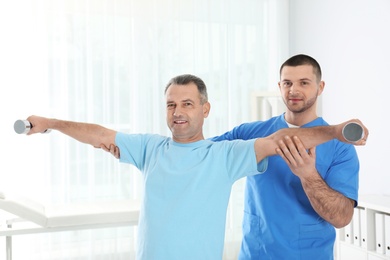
(107, 62)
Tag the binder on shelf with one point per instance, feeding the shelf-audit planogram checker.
(348, 233)
(380, 232)
(387, 235)
(363, 228)
(356, 226)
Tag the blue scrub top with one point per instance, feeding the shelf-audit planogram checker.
(279, 221)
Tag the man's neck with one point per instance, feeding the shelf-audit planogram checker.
(299, 119)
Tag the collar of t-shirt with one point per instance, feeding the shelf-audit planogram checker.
(291, 125)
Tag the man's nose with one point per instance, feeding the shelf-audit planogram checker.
(293, 89)
(177, 111)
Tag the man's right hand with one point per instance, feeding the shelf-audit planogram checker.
(113, 149)
(38, 124)
(341, 137)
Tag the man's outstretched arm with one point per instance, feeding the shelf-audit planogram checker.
(267, 146)
(310, 137)
(92, 134)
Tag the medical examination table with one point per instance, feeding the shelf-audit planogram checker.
(29, 217)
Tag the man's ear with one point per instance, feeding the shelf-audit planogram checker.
(321, 87)
(206, 109)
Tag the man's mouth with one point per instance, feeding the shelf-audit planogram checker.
(179, 122)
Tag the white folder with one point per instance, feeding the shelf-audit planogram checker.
(363, 228)
(387, 234)
(379, 232)
(348, 233)
(356, 226)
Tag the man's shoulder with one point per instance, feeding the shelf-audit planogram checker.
(227, 144)
(145, 138)
(259, 128)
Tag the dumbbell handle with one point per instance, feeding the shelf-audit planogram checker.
(24, 126)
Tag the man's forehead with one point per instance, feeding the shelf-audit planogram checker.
(182, 93)
(302, 72)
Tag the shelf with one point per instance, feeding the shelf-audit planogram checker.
(368, 234)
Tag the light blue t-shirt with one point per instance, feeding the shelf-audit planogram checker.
(187, 189)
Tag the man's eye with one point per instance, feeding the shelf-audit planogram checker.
(287, 84)
(187, 104)
(170, 106)
(304, 83)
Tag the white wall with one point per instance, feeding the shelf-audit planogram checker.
(351, 41)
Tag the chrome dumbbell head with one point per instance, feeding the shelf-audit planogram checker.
(24, 126)
(353, 132)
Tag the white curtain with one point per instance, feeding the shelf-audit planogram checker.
(107, 62)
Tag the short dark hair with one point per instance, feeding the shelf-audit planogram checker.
(186, 79)
(302, 59)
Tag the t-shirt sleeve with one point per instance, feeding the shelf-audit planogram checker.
(130, 148)
(262, 165)
(242, 159)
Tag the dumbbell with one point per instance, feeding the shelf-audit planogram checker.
(353, 132)
(24, 126)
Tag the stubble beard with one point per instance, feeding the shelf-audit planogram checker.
(309, 104)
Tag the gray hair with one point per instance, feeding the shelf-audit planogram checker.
(186, 79)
